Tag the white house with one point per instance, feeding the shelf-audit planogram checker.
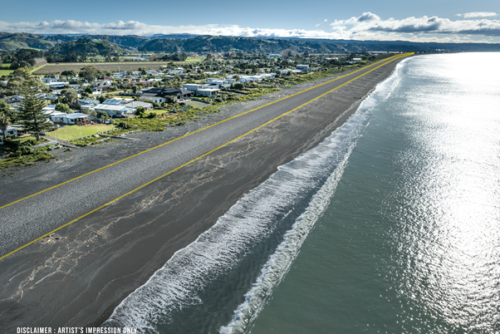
(58, 84)
(209, 92)
(49, 80)
(192, 87)
(60, 117)
(11, 131)
(303, 68)
(176, 71)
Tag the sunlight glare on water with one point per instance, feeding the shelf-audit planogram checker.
(452, 190)
(411, 240)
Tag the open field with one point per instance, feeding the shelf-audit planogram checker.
(111, 66)
(115, 66)
(72, 132)
(5, 72)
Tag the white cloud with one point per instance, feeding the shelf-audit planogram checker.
(477, 14)
(367, 26)
(369, 23)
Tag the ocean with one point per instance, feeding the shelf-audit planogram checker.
(391, 225)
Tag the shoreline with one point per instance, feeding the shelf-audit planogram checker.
(91, 256)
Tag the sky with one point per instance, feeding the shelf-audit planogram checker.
(423, 20)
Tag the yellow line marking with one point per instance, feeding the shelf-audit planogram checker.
(199, 157)
(190, 134)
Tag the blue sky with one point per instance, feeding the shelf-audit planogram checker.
(423, 20)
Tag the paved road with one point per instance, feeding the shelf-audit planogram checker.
(27, 220)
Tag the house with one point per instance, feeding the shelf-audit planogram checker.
(208, 92)
(83, 102)
(49, 108)
(274, 55)
(58, 84)
(159, 95)
(12, 131)
(118, 107)
(112, 110)
(49, 80)
(192, 87)
(176, 71)
(14, 99)
(76, 118)
(302, 68)
(101, 87)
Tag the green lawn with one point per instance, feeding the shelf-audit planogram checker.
(194, 59)
(5, 72)
(72, 132)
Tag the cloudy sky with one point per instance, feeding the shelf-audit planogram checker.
(423, 20)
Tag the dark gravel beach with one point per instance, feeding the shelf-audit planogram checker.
(76, 276)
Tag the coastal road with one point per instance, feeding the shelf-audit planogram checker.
(101, 234)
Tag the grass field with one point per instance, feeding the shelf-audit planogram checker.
(111, 66)
(5, 72)
(72, 132)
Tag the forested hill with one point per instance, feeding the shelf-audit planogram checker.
(63, 44)
(265, 45)
(247, 44)
(11, 42)
(87, 46)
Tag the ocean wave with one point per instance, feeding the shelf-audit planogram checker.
(177, 285)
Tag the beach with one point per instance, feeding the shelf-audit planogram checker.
(76, 276)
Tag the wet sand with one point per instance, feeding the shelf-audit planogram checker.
(78, 275)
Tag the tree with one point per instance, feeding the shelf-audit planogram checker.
(89, 73)
(140, 111)
(31, 116)
(69, 73)
(70, 95)
(62, 107)
(101, 98)
(287, 53)
(102, 115)
(7, 117)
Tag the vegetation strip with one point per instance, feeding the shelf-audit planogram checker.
(388, 60)
(199, 157)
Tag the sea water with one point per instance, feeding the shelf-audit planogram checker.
(391, 225)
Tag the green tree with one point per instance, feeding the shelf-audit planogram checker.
(70, 95)
(140, 111)
(69, 73)
(62, 107)
(89, 73)
(102, 115)
(7, 117)
(31, 116)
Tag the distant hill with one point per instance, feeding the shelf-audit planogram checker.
(276, 45)
(12, 42)
(248, 44)
(197, 43)
(88, 46)
(173, 36)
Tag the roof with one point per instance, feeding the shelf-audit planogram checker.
(76, 115)
(208, 90)
(136, 104)
(111, 107)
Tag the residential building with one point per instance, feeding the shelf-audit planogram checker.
(302, 68)
(58, 84)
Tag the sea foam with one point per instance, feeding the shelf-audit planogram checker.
(177, 285)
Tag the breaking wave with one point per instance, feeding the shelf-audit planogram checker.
(313, 176)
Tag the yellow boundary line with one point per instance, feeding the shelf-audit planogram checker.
(199, 157)
(190, 134)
